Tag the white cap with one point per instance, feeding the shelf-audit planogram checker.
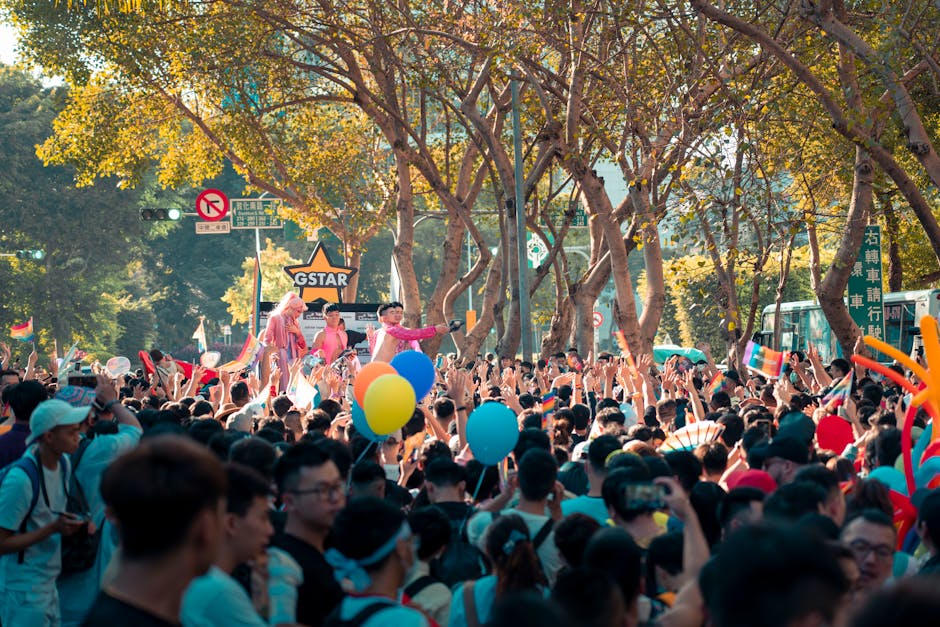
(51, 414)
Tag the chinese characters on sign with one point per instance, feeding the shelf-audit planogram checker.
(256, 213)
(865, 302)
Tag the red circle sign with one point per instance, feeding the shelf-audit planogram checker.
(598, 319)
(212, 205)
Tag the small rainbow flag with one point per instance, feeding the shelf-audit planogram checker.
(245, 358)
(719, 383)
(764, 360)
(548, 406)
(23, 332)
(839, 393)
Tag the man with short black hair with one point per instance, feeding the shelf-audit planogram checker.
(313, 493)
(539, 491)
(22, 398)
(834, 506)
(872, 537)
(592, 503)
(167, 499)
(393, 338)
(216, 598)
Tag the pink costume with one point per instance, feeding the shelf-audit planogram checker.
(407, 339)
(334, 341)
(290, 343)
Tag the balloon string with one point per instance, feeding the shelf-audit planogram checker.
(476, 491)
(361, 456)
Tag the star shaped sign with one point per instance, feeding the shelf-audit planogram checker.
(319, 278)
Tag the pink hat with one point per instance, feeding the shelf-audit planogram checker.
(754, 479)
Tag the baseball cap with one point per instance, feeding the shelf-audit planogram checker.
(787, 447)
(797, 425)
(753, 478)
(51, 414)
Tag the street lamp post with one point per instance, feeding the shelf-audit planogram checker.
(519, 216)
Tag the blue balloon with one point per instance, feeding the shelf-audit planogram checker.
(921, 445)
(890, 477)
(927, 472)
(418, 369)
(492, 432)
(362, 426)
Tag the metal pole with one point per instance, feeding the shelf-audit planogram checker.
(256, 322)
(524, 318)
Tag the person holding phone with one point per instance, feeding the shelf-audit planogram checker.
(393, 338)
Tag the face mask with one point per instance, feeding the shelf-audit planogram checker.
(392, 471)
(793, 377)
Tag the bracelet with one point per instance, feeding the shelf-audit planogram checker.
(462, 408)
(107, 406)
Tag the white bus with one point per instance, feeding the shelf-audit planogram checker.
(803, 322)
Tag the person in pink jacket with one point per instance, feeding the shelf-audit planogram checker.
(283, 333)
(393, 338)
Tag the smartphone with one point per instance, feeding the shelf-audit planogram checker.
(644, 496)
(84, 380)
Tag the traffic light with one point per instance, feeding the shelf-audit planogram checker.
(149, 215)
(35, 255)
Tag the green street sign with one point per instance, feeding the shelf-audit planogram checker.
(865, 281)
(255, 213)
(580, 218)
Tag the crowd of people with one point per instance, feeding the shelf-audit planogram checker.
(676, 494)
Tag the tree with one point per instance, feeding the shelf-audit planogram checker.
(274, 282)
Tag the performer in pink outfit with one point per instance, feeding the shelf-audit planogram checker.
(283, 336)
(332, 340)
(393, 338)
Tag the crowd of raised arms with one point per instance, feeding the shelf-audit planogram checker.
(635, 493)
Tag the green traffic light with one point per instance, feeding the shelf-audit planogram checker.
(37, 254)
(174, 214)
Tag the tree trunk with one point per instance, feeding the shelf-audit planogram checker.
(353, 260)
(477, 335)
(404, 244)
(654, 302)
(837, 276)
(559, 329)
(892, 224)
(450, 262)
(786, 256)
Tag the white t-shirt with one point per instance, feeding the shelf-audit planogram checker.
(217, 600)
(396, 614)
(43, 560)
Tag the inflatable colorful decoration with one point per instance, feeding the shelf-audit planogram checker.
(927, 395)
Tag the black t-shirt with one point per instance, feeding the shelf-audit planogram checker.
(110, 612)
(320, 592)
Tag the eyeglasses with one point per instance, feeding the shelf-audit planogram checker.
(862, 549)
(330, 492)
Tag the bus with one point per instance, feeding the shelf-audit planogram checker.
(803, 322)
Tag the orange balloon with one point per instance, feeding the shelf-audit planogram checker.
(369, 373)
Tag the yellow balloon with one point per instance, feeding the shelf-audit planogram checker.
(389, 403)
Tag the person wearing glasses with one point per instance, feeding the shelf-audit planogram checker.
(313, 493)
(871, 536)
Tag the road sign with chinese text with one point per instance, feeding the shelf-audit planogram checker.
(213, 228)
(256, 213)
(865, 281)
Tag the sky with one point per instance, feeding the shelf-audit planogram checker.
(7, 44)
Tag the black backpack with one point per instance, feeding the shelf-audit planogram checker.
(461, 561)
(80, 549)
(334, 620)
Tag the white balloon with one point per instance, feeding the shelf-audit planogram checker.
(118, 365)
(209, 359)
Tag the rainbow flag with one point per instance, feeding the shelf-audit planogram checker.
(763, 360)
(548, 406)
(23, 332)
(839, 393)
(256, 296)
(719, 383)
(245, 358)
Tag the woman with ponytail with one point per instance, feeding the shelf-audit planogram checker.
(516, 568)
